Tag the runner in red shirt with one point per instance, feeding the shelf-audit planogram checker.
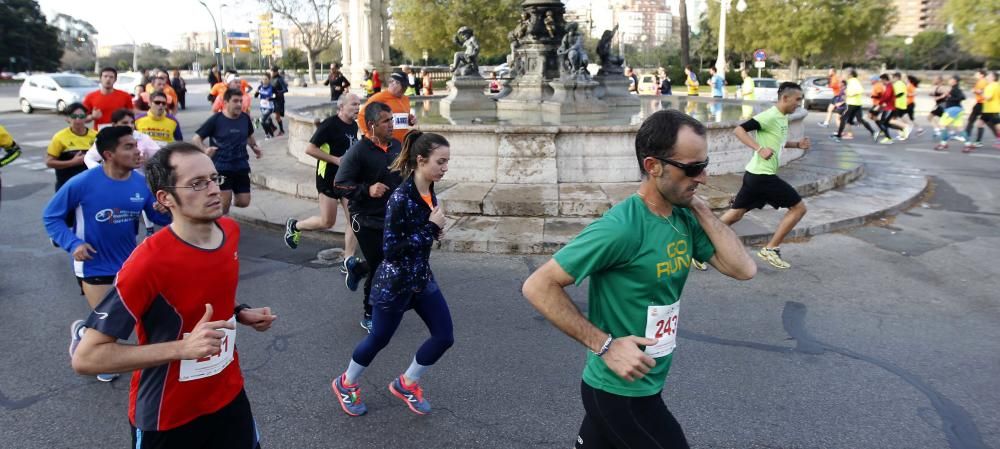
(177, 292)
(106, 100)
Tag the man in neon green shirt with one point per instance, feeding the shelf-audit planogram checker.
(899, 114)
(636, 279)
(853, 95)
(761, 184)
(746, 89)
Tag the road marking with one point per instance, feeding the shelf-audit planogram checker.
(994, 156)
(924, 150)
(36, 166)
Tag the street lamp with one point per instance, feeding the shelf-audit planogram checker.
(906, 51)
(724, 5)
(216, 50)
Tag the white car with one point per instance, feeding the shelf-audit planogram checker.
(54, 91)
(765, 89)
(128, 81)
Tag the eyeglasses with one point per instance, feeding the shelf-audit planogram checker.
(202, 184)
(78, 116)
(690, 170)
(161, 103)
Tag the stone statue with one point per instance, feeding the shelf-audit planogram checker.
(573, 57)
(609, 62)
(466, 63)
(520, 32)
(550, 24)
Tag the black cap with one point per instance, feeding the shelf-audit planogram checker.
(401, 77)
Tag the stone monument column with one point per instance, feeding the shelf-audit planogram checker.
(345, 33)
(368, 40)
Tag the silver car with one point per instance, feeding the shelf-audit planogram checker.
(54, 91)
(816, 92)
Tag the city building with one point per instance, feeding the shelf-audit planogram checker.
(646, 22)
(915, 16)
(74, 34)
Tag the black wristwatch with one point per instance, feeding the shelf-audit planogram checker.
(238, 309)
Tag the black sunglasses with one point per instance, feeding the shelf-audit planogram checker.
(690, 170)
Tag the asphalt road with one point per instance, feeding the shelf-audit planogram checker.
(881, 337)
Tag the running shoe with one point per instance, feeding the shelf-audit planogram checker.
(835, 139)
(292, 235)
(700, 266)
(958, 137)
(920, 131)
(976, 144)
(413, 396)
(968, 148)
(343, 267)
(349, 397)
(107, 377)
(885, 141)
(75, 335)
(848, 136)
(773, 257)
(876, 135)
(941, 146)
(823, 124)
(366, 323)
(353, 278)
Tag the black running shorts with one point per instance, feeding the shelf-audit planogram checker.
(938, 110)
(232, 427)
(760, 190)
(238, 182)
(614, 422)
(325, 187)
(991, 119)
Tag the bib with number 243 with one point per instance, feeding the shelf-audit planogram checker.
(210, 366)
(661, 324)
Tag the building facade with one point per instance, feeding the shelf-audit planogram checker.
(915, 16)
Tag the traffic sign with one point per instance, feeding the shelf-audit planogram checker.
(758, 64)
(759, 55)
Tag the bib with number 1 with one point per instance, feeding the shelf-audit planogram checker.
(661, 324)
(400, 120)
(210, 366)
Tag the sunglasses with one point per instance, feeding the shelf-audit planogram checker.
(161, 103)
(690, 170)
(78, 116)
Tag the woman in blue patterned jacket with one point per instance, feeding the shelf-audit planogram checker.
(413, 220)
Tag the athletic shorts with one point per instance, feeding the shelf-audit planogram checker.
(760, 190)
(325, 187)
(953, 116)
(614, 422)
(938, 110)
(991, 119)
(232, 427)
(94, 280)
(238, 182)
(898, 113)
(279, 106)
(911, 110)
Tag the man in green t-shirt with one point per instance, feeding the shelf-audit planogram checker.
(638, 256)
(761, 184)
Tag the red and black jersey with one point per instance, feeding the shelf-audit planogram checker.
(160, 293)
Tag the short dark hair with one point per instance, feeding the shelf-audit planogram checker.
(372, 110)
(853, 73)
(657, 135)
(109, 69)
(74, 106)
(230, 93)
(157, 93)
(107, 138)
(787, 86)
(160, 174)
(897, 75)
(884, 77)
(121, 113)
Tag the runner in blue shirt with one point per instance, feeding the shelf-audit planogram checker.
(230, 131)
(108, 202)
(718, 83)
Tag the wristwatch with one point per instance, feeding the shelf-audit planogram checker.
(238, 309)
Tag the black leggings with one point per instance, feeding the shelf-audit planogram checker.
(977, 111)
(852, 113)
(621, 422)
(884, 124)
(370, 242)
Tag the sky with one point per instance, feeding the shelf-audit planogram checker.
(153, 21)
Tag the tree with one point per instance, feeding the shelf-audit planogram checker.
(977, 24)
(27, 42)
(799, 29)
(293, 59)
(430, 25)
(317, 22)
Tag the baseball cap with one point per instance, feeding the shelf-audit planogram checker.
(231, 77)
(401, 78)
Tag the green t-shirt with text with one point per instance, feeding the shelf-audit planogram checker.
(636, 260)
(773, 134)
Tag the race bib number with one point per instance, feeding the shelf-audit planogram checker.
(400, 120)
(210, 366)
(661, 324)
(265, 104)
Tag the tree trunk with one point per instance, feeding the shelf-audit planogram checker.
(310, 54)
(793, 66)
(685, 34)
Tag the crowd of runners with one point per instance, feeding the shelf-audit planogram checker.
(122, 165)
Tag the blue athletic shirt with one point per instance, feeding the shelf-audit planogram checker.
(718, 84)
(230, 136)
(107, 213)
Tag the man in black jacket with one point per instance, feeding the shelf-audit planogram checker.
(367, 182)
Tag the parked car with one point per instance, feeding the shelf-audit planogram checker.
(128, 81)
(53, 91)
(816, 92)
(648, 84)
(765, 89)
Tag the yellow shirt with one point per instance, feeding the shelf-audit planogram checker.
(747, 89)
(991, 97)
(65, 143)
(980, 86)
(6, 141)
(854, 93)
(163, 130)
(692, 85)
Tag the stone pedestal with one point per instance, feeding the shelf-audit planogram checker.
(574, 96)
(466, 94)
(613, 89)
(532, 87)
